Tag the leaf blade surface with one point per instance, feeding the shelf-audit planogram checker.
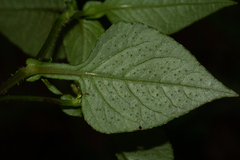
(140, 77)
(28, 23)
(135, 78)
(81, 39)
(167, 16)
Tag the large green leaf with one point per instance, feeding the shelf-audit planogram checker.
(81, 39)
(137, 77)
(168, 16)
(27, 23)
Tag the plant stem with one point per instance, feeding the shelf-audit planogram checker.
(71, 103)
(20, 75)
(56, 28)
(35, 67)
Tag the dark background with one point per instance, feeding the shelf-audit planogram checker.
(211, 132)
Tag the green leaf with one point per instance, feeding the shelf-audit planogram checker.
(142, 77)
(27, 23)
(72, 112)
(92, 8)
(163, 152)
(145, 145)
(81, 39)
(51, 87)
(167, 16)
(136, 76)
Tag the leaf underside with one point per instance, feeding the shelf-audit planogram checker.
(167, 16)
(137, 77)
(28, 23)
(140, 77)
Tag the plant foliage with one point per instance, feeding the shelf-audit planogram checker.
(133, 76)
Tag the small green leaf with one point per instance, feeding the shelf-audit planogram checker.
(162, 152)
(27, 23)
(81, 39)
(92, 9)
(33, 78)
(72, 112)
(136, 76)
(150, 145)
(51, 87)
(67, 97)
(167, 16)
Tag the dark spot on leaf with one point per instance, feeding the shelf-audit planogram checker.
(139, 128)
